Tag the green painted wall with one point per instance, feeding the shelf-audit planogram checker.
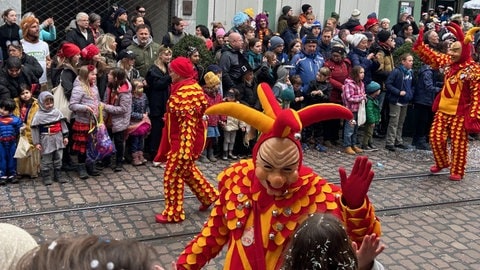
(329, 7)
(201, 12)
(270, 7)
(390, 9)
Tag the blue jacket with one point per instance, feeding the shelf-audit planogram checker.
(359, 58)
(307, 67)
(426, 87)
(397, 81)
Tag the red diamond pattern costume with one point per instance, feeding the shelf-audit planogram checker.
(182, 144)
(456, 107)
(257, 225)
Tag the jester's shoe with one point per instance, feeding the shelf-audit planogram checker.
(436, 169)
(455, 177)
(161, 218)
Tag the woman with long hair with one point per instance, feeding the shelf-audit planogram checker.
(158, 91)
(108, 49)
(84, 102)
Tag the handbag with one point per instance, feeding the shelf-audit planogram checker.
(361, 114)
(23, 148)
(61, 102)
(99, 144)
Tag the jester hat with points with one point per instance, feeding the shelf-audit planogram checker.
(275, 122)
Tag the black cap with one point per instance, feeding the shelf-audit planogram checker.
(126, 54)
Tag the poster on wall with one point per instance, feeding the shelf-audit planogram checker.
(406, 6)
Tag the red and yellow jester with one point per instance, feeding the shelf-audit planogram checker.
(182, 142)
(457, 105)
(264, 199)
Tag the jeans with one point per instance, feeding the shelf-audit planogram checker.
(8, 164)
(395, 124)
(136, 143)
(350, 132)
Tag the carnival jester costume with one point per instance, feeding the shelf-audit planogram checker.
(264, 199)
(456, 107)
(182, 143)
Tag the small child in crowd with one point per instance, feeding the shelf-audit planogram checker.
(318, 91)
(373, 115)
(90, 252)
(26, 108)
(297, 83)
(212, 84)
(118, 105)
(282, 89)
(9, 130)
(230, 127)
(139, 123)
(321, 242)
(50, 136)
(353, 94)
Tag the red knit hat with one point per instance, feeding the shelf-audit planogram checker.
(371, 22)
(89, 52)
(183, 67)
(68, 50)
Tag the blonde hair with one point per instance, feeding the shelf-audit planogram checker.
(83, 72)
(104, 42)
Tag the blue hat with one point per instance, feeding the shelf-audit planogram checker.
(316, 24)
(276, 41)
(239, 19)
(372, 87)
(214, 68)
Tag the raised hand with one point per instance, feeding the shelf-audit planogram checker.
(371, 247)
(356, 185)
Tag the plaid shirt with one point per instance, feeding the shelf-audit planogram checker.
(353, 94)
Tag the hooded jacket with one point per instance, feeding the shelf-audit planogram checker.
(144, 55)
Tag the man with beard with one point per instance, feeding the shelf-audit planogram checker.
(144, 48)
(33, 46)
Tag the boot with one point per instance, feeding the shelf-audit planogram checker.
(58, 176)
(203, 157)
(225, 155)
(91, 170)
(47, 178)
(142, 158)
(136, 159)
(118, 166)
(349, 151)
(82, 171)
(357, 149)
(210, 155)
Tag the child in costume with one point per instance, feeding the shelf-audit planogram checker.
(182, 143)
(9, 130)
(456, 107)
(264, 199)
(50, 136)
(26, 108)
(139, 123)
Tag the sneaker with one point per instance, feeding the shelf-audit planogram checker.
(372, 147)
(390, 147)
(366, 148)
(203, 159)
(423, 146)
(321, 148)
(401, 146)
(305, 146)
(156, 164)
(3, 180)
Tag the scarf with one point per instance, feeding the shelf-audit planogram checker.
(44, 116)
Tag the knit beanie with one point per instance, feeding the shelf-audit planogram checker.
(338, 49)
(371, 22)
(220, 32)
(89, 52)
(372, 15)
(357, 38)
(383, 35)
(372, 87)
(310, 39)
(68, 50)
(276, 41)
(119, 12)
(211, 79)
(286, 9)
(183, 67)
(305, 7)
(239, 19)
(25, 24)
(214, 68)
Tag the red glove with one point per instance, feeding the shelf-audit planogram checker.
(355, 187)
